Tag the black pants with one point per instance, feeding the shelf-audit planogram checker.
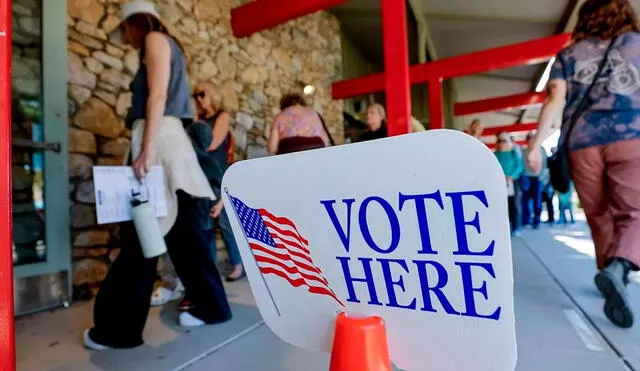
(547, 198)
(123, 302)
(515, 211)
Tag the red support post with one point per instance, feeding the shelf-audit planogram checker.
(436, 112)
(259, 15)
(515, 128)
(500, 103)
(396, 63)
(7, 332)
(521, 143)
(530, 52)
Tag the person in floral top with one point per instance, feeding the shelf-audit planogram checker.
(604, 145)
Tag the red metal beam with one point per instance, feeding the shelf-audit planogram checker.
(396, 62)
(530, 52)
(436, 110)
(260, 15)
(518, 142)
(7, 332)
(515, 128)
(500, 103)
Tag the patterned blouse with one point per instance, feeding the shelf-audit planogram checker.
(298, 121)
(614, 113)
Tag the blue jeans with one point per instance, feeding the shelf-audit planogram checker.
(223, 223)
(564, 209)
(532, 196)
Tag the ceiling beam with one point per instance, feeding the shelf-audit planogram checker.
(418, 15)
(499, 103)
(515, 128)
(427, 49)
(530, 52)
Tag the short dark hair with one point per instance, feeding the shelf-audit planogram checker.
(605, 19)
(291, 100)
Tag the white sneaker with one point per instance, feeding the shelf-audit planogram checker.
(162, 296)
(186, 319)
(92, 345)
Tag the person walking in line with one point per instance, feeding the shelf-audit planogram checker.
(532, 193)
(161, 100)
(565, 206)
(297, 128)
(475, 129)
(511, 162)
(598, 78)
(376, 120)
(213, 141)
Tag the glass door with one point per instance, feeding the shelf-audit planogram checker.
(41, 251)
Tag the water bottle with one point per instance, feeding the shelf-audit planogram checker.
(146, 223)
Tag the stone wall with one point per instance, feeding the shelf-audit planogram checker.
(250, 75)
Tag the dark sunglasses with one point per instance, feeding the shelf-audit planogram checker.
(502, 141)
(198, 95)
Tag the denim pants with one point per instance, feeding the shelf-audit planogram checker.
(227, 237)
(122, 304)
(532, 196)
(564, 209)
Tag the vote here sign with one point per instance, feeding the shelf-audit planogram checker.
(411, 228)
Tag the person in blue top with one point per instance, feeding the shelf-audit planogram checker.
(604, 144)
(565, 205)
(510, 159)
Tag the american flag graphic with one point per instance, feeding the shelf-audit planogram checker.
(279, 249)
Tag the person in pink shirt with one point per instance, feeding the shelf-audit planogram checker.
(297, 128)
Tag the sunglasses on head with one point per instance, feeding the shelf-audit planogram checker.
(198, 95)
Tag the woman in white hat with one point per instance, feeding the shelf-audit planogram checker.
(161, 101)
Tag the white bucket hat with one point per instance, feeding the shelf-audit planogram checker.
(129, 9)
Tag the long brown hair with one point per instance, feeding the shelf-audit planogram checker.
(144, 24)
(605, 19)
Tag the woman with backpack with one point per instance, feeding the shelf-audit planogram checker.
(214, 144)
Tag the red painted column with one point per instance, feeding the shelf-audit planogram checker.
(396, 65)
(436, 109)
(7, 334)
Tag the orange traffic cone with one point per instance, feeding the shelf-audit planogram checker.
(360, 344)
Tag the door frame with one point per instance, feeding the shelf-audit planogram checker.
(55, 126)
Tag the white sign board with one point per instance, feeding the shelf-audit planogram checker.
(412, 228)
(114, 187)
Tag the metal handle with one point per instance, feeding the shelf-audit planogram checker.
(30, 144)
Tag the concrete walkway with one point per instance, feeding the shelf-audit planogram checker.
(559, 319)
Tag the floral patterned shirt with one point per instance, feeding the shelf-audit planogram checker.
(298, 121)
(614, 111)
